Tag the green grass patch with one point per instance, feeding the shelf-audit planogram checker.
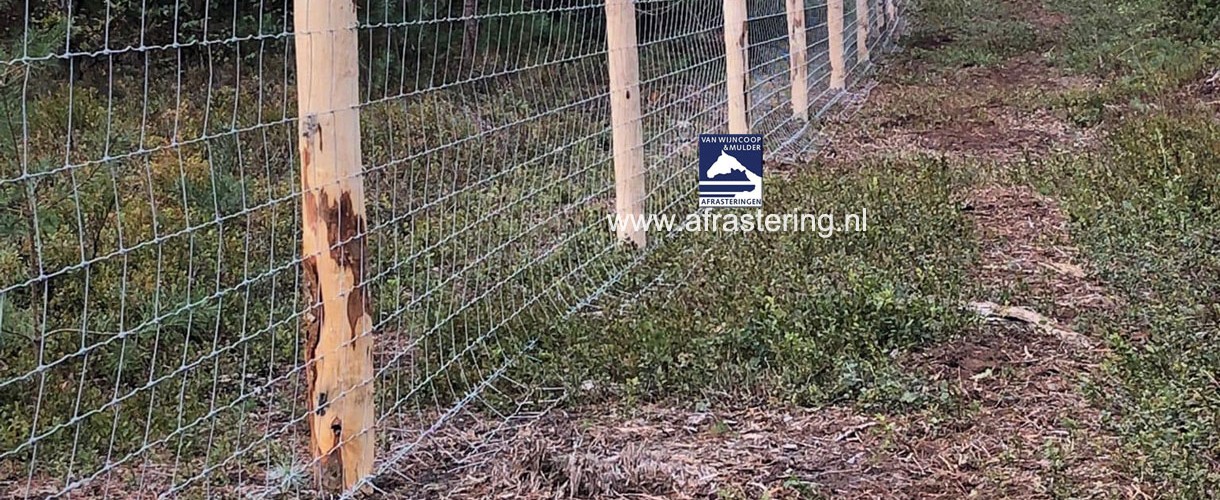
(1145, 212)
(964, 33)
(1142, 47)
(792, 316)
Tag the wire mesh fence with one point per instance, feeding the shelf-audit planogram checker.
(152, 291)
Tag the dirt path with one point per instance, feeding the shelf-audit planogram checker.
(1031, 433)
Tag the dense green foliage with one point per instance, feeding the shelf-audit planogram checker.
(964, 33)
(1199, 19)
(1147, 47)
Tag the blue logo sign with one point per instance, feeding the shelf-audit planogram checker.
(730, 170)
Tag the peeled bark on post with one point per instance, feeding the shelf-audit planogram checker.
(862, 30)
(338, 326)
(834, 27)
(798, 66)
(736, 45)
(626, 127)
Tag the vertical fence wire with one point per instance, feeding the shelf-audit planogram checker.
(150, 266)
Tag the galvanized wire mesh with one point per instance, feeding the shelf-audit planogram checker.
(150, 283)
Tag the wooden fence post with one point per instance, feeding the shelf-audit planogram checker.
(834, 31)
(862, 29)
(798, 69)
(627, 130)
(736, 46)
(338, 326)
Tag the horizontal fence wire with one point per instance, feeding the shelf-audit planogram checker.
(151, 285)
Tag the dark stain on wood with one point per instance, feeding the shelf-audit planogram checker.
(345, 236)
(331, 464)
(313, 320)
(321, 411)
(345, 231)
(313, 329)
(309, 206)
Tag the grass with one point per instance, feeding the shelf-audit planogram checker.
(792, 317)
(705, 319)
(1133, 45)
(162, 197)
(954, 34)
(1143, 204)
(1144, 209)
(1144, 213)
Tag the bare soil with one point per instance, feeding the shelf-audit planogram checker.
(985, 113)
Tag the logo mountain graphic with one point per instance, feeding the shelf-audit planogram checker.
(727, 165)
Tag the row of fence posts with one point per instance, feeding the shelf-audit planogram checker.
(337, 325)
(625, 117)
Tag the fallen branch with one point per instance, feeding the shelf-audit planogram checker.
(991, 310)
(851, 431)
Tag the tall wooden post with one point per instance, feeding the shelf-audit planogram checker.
(338, 326)
(798, 69)
(736, 46)
(834, 29)
(627, 129)
(862, 29)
